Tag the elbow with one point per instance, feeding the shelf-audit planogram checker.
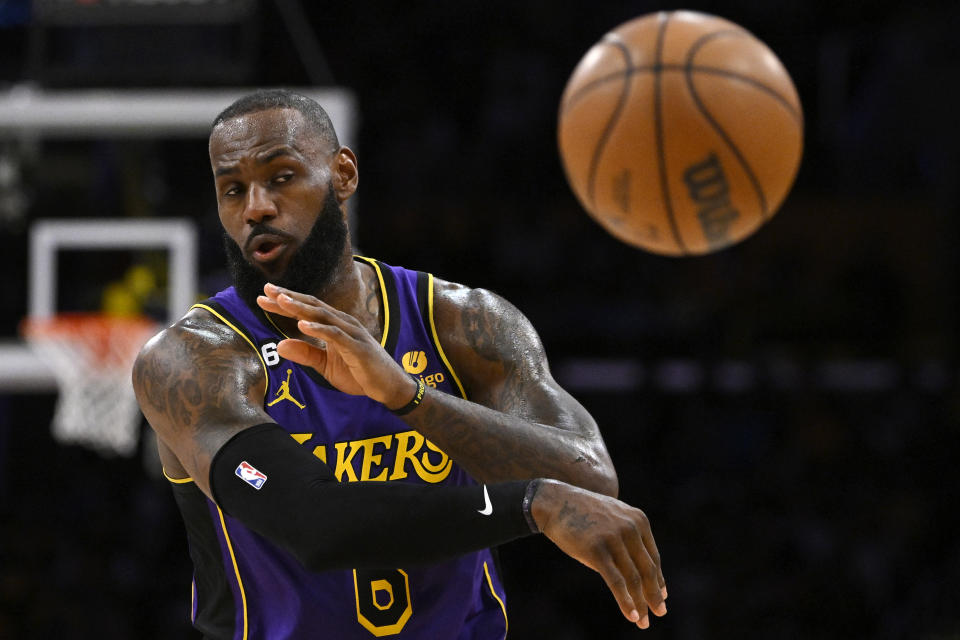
(607, 482)
(600, 477)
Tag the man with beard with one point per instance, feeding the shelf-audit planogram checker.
(347, 439)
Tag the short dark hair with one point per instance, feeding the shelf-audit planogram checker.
(266, 99)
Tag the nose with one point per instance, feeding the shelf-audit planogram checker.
(259, 206)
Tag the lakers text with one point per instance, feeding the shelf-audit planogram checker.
(393, 456)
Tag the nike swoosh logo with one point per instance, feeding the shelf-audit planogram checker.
(488, 506)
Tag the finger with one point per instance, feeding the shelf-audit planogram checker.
(270, 306)
(268, 301)
(636, 582)
(320, 311)
(652, 592)
(271, 290)
(294, 304)
(327, 333)
(275, 291)
(350, 349)
(641, 572)
(618, 587)
(302, 353)
(301, 307)
(643, 548)
(651, 545)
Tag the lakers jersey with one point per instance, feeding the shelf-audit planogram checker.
(246, 587)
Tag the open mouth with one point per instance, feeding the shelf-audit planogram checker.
(266, 247)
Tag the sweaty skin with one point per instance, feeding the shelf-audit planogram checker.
(198, 383)
(521, 423)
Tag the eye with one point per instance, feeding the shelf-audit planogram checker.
(283, 177)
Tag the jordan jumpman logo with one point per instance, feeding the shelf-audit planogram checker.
(283, 393)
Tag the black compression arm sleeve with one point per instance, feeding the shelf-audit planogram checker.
(327, 524)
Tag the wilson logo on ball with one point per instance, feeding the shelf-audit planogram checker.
(710, 192)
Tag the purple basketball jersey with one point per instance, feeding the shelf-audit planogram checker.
(245, 587)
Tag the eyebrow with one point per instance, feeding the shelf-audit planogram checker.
(276, 153)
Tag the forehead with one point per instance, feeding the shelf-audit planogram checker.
(261, 130)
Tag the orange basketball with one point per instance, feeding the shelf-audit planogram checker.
(680, 133)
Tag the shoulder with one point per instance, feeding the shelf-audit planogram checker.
(197, 383)
(479, 314)
(197, 340)
(483, 331)
(198, 329)
(461, 296)
(451, 297)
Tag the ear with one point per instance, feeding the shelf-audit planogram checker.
(345, 176)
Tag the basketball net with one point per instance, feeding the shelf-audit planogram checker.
(91, 356)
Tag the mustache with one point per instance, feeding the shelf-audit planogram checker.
(260, 229)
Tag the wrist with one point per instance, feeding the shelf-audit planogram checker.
(409, 397)
(545, 502)
(527, 506)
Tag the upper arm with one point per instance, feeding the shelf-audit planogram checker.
(500, 359)
(198, 384)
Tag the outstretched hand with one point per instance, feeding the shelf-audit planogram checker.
(603, 533)
(344, 353)
(612, 538)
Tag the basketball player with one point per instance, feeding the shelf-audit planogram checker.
(346, 445)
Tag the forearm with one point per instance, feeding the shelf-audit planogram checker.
(494, 446)
(292, 498)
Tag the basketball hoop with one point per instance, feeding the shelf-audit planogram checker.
(91, 356)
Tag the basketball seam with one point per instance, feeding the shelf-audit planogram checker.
(658, 133)
(758, 188)
(797, 115)
(611, 123)
(792, 110)
(699, 43)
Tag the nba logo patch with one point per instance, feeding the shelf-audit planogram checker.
(249, 474)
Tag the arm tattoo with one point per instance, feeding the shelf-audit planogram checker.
(196, 376)
(577, 521)
(520, 424)
(479, 327)
(511, 399)
(493, 446)
(498, 333)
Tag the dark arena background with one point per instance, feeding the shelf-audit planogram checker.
(785, 410)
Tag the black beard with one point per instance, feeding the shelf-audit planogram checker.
(312, 266)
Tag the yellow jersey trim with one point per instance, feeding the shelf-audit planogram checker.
(383, 296)
(503, 607)
(279, 330)
(175, 480)
(436, 339)
(266, 373)
(236, 571)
